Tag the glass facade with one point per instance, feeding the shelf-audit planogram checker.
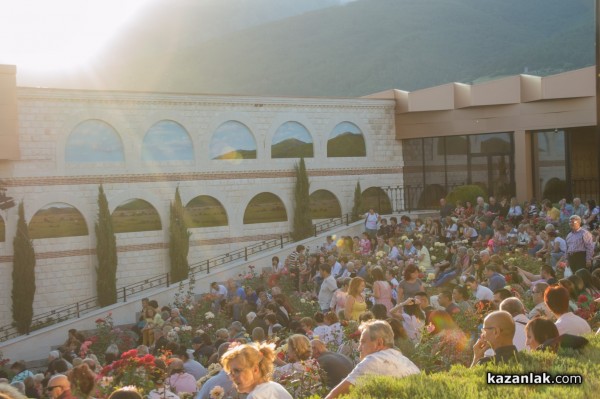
(565, 163)
(433, 166)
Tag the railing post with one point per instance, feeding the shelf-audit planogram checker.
(207, 266)
(246, 254)
(315, 229)
(77, 307)
(124, 294)
(168, 280)
(281, 240)
(347, 220)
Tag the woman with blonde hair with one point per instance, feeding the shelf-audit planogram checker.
(250, 368)
(355, 300)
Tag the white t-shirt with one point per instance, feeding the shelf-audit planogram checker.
(388, 362)
(221, 291)
(483, 293)
(324, 334)
(328, 287)
(269, 390)
(520, 337)
(570, 323)
(371, 222)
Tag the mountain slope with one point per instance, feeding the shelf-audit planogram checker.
(364, 47)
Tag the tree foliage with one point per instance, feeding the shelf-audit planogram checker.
(302, 217)
(106, 253)
(23, 275)
(357, 208)
(179, 240)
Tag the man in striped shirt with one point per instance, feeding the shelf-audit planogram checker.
(580, 245)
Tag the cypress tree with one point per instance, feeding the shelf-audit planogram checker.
(357, 208)
(302, 218)
(23, 275)
(179, 241)
(106, 252)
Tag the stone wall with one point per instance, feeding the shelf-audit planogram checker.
(66, 266)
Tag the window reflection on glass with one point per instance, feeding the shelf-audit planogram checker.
(549, 164)
(490, 143)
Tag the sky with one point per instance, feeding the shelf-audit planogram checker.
(53, 35)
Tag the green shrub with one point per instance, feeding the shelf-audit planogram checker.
(465, 193)
(464, 383)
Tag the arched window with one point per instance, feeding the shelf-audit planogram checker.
(167, 141)
(292, 140)
(2, 230)
(57, 220)
(377, 199)
(232, 140)
(324, 205)
(205, 211)
(94, 141)
(346, 140)
(135, 215)
(265, 208)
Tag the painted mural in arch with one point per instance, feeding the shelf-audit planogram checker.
(265, 208)
(135, 215)
(232, 141)
(324, 205)
(167, 141)
(205, 211)
(346, 140)
(292, 140)
(94, 141)
(57, 220)
(2, 230)
(377, 199)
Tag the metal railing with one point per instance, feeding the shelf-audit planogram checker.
(80, 308)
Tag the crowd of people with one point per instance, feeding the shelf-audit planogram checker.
(381, 304)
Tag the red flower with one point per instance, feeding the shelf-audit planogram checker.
(100, 321)
(129, 354)
(582, 298)
(148, 359)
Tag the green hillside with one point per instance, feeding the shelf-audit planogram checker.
(292, 148)
(347, 145)
(360, 48)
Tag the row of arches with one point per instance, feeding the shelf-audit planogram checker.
(166, 141)
(59, 219)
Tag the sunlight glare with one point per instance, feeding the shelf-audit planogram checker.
(43, 36)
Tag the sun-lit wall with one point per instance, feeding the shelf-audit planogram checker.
(227, 150)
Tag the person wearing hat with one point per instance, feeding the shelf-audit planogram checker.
(580, 245)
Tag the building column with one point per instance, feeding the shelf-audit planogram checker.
(523, 165)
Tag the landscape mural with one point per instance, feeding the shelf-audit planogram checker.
(232, 140)
(57, 220)
(167, 141)
(377, 199)
(94, 141)
(205, 211)
(292, 140)
(324, 205)
(346, 140)
(135, 215)
(2, 230)
(265, 208)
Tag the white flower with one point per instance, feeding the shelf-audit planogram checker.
(433, 258)
(186, 328)
(190, 307)
(302, 300)
(209, 315)
(199, 331)
(217, 392)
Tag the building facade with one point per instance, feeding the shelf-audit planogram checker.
(233, 157)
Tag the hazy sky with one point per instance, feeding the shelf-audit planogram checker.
(49, 35)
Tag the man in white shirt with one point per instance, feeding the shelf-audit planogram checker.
(516, 309)
(328, 287)
(377, 357)
(540, 309)
(481, 293)
(557, 299)
(219, 294)
(336, 266)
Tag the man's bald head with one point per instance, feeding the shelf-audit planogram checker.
(500, 328)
